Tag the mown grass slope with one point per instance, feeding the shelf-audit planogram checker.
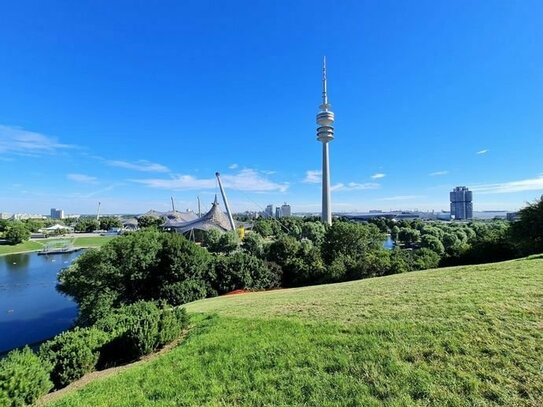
(461, 336)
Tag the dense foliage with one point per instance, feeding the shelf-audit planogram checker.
(124, 334)
(152, 265)
(16, 232)
(87, 224)
(24, 377)
(527, 232)
(72, 354)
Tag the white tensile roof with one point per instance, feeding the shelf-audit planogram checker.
(214, 219)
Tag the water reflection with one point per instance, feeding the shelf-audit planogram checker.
(15, 262)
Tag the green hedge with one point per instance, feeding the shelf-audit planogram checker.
(73, 354)
(125, 334)
(24, 377)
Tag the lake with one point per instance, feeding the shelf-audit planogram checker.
(31, 309)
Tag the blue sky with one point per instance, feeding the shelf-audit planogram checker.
(131, 102)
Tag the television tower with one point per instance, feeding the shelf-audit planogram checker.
(325, 134)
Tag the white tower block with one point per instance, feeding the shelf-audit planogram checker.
(325, 134)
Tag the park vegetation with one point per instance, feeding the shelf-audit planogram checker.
(130, 290)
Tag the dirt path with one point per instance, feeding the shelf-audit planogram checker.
(91, 377)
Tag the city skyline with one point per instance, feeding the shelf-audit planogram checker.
(129, 112)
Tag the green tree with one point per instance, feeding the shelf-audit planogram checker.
(86, 225)
(527, 232)
(263, 227)
(253, 244)
(211, 240)
(17, 233)
(314, 231)
(350, 239)
(409, 236)
(110, 222)
(395, 233)
(221, 242)
(433, 243)
(147, 221)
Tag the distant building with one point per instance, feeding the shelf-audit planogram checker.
(461, 203)
(57, 213)
(268, 212)
(285, 210)
(443, 216)
(512, 216)
(4, 215)
(23, 216)
(278, 213)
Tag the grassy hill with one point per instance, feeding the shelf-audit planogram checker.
(461, 336)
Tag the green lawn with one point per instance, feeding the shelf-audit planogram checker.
(465, 336)
(21, 247)
(32, 245)
(93, 241)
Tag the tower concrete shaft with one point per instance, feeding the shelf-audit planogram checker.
(325, 134)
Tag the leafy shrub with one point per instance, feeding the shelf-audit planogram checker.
(241, 270)
(24, 377)
(253, 244)
(73, 353)
(217, 242)
(183, 292)
(172, 322)
(143, 331)
(139, 329)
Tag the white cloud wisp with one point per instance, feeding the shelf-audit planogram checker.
(82, 178)
(530, 184)
(313, 177)
(353, 186)
(15, 140)
(245, 180)
(141, 165)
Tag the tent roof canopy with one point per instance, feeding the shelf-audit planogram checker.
(214, 219)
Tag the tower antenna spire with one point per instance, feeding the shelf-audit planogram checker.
(324, 88)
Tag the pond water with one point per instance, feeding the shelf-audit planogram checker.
(389, 243)
(31, 309)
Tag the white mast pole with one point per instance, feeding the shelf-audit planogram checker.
(230, 218)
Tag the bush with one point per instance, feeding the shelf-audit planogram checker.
(139, 329)
(183, 292)
(172, 322)
(73, 354)
(241, 270)
(253, 244)
(143, 331)
(24, 377)
(217, 242)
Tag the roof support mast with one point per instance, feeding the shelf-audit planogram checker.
(230, 219)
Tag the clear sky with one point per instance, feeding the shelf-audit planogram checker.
(131, 102)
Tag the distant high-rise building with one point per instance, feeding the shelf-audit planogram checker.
(285, 210)
(461, 203)
(268, 212)
(278, 212)
(57, 213)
